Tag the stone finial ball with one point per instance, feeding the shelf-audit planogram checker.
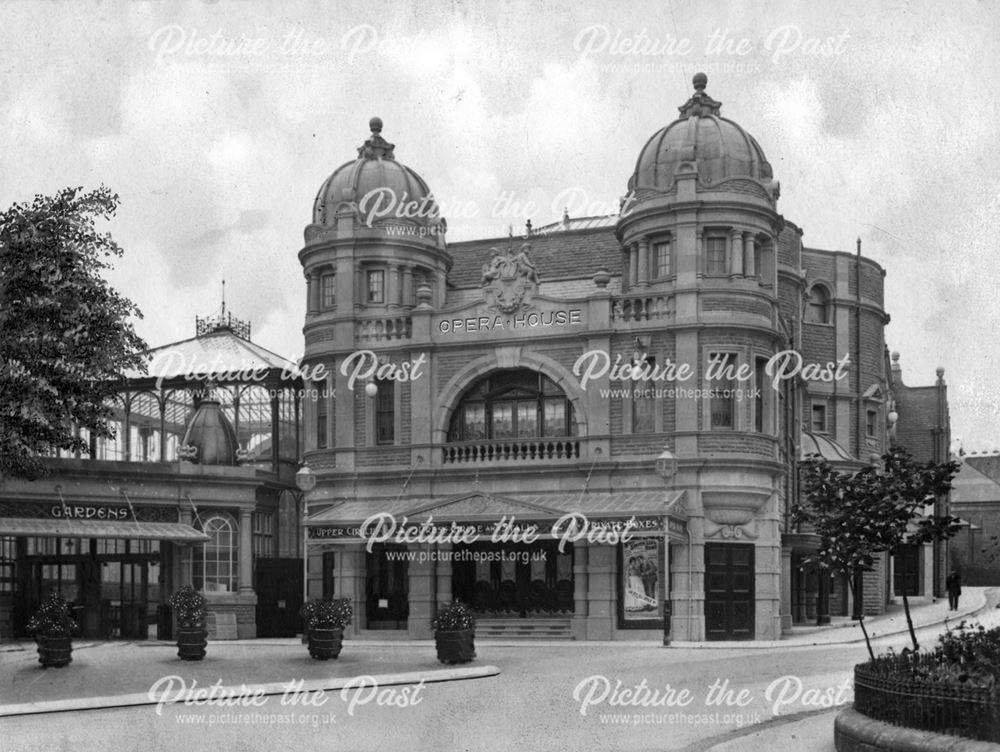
(375, 124)
(700, 81)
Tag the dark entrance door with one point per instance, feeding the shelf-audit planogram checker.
(387, 599)
(514, 580)
(729, 591)
(907, 570)
(278, 584)
(107, 592)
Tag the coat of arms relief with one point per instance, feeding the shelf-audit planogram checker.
(510, 279)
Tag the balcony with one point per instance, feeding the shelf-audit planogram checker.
(521, 450)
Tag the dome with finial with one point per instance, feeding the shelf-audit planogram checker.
(378, 187)
(720, 148)
(210, 438)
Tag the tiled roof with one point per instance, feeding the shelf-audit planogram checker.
(576, 254)
(987, 464)
(972, 485)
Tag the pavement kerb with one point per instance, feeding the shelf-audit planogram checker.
(244, 693)
(804, 641)
(855, 732)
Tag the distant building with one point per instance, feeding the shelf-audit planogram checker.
(975, 499)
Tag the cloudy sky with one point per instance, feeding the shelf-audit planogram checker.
(216, 123)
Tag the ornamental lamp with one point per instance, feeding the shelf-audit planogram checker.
(371, 389)
(666, 464)
(305, 479)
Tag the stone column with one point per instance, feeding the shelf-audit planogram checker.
(600, 591)
(184, 553)
(626, 268)
(580, 592)
(408, 286)
(633, 264)
(246, 552)
(736, 253)
(394, 288)
(442, 573)
(421, 574)
(644, 262)
(360, 293)
(348, 581)
(701, 262)
(310, 283)
(786, 588)
(749, 262)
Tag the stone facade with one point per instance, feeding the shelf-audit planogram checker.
(699, 270)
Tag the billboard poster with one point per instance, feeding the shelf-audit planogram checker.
(640, 578)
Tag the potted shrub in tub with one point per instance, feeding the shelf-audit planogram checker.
(53, 627)
(325, 620)
(454, 633)
(192, 637)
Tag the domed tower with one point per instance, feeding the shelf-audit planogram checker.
(376, 243)
(374, 252)
(699, 232)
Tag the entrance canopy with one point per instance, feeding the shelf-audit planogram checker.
(62, 528)
(652, 511)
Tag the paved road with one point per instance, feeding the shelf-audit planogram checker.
(546, 698)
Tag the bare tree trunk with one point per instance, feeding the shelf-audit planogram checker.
(861, 619)
(909, 621)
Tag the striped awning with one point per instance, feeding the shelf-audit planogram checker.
(62, 528)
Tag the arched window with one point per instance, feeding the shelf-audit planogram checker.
(818, 308)
(215, 560)
(512, 404)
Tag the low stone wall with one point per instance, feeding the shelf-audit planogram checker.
(854, 732)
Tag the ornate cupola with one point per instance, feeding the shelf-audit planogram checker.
(717, 147)
(375, 249)
(701, 205)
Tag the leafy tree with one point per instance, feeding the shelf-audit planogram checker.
(858, 516)
(65, 334)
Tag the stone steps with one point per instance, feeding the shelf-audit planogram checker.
(524, 629)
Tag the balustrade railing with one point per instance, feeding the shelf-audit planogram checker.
(376, 330)
(492, 450)
(634, 308)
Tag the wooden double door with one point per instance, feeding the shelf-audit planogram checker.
(729, 591)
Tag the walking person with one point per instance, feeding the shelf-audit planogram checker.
(953, 583)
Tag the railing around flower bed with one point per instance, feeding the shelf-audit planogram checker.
(526, 449)
(902, 690)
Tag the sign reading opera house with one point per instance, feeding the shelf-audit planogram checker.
(703, 273)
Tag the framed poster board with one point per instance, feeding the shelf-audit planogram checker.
(641, 583)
